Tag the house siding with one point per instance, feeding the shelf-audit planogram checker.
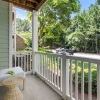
(4, 34)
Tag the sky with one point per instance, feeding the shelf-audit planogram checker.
(85, 4)
(21, 13)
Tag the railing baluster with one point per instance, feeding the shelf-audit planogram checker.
(98, 81)
(61, 74)
(27, 61)
(21, 61)
(37, 62)
(52, 70)
(82, 81)
(44, 66)
(40, 64)
(24, 62)
(71, 85)
(48, 67)
(76, 80)
(30, 63)
(55, 71)
(18, 58)
(58, 72)
(15, 59)
(89, 82)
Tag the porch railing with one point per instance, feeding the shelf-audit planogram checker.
(57, 71)
(23, 60)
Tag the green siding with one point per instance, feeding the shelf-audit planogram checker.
(4, 35)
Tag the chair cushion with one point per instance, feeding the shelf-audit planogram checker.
(17, 70)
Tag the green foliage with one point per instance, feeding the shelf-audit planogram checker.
(23, 25)
(84, 32)
(24, 28)
(44, 50)
(10, 72)
(40, 50)
(94, 77)
(28, 38)
(54, 18)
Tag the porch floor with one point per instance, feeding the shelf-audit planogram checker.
(36, 89)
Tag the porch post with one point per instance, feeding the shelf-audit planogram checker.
(14, 29)
(34, 38)
(10, 36)
(65, 78)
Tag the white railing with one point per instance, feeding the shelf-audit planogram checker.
(23, 60)
(50, 68)
(61, 73)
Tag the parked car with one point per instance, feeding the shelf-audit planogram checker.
(64, 51)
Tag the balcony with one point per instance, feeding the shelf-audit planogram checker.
(57, 72)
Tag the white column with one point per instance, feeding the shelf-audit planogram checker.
(34, 38)
(14, 29)
(10, 36)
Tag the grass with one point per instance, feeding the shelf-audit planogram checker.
(44, 50)
(40, 50)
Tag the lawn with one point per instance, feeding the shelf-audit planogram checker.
(40, 50)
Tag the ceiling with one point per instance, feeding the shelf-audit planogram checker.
(29, 5)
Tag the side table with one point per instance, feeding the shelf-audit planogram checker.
(13, 92)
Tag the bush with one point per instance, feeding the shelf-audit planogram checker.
(94, 78)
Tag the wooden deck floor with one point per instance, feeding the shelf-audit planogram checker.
(36, 89)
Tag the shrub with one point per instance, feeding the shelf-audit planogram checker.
(94, 78)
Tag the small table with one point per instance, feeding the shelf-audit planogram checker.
(13, 92)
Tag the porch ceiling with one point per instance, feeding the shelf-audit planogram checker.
(29, 5)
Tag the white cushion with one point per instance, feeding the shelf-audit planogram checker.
(17, 72)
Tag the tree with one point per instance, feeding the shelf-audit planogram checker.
(84, 32)
(23, 25)
(54, 18)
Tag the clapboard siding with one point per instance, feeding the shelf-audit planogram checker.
(4, 51)
(4, 46)
(4, 55)
(5, 32)
(4, 35)
(3, 67)
(3, 41)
